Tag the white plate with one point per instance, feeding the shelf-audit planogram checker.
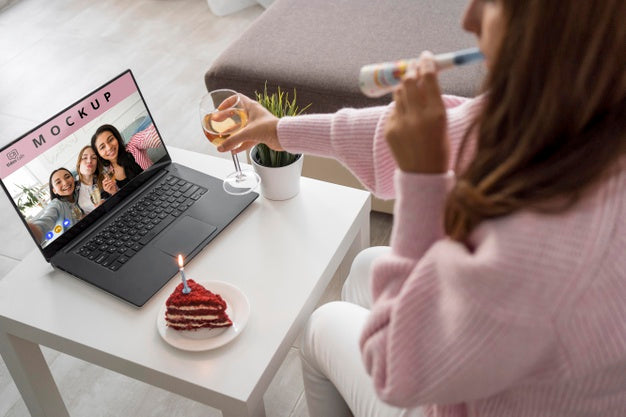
(237, 308)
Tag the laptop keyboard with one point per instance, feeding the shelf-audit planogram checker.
(138, 224)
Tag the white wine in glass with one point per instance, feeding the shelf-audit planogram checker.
(94, 194)
(224, 123)
(222, 114)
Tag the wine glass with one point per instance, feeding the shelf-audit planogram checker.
(94, 194)
(222, 114)
(109, 173)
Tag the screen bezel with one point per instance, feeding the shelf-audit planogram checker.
(109, 204)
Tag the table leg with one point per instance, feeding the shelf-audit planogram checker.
(364, 234)
(244, 411)
(32, 376)
(363, 238)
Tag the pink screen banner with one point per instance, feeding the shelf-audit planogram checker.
(64, 124)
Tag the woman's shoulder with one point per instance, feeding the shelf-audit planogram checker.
(55, 206)
(552, 251)
(596, 214)
(57, 203)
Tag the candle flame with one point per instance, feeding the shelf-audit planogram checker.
(180, 261)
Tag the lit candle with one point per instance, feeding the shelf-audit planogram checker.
(186, 289)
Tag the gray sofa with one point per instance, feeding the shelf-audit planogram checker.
(318, 47)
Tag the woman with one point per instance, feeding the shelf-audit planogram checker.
(119, 165)
(62, 212)
(503, 291)
(91, 191)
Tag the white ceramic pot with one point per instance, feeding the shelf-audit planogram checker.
(280, 183)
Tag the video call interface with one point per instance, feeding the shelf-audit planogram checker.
(62, 171)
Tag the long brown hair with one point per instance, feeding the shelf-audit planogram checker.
(97, 173)
(553, 118)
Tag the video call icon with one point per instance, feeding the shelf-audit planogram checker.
(13, 154)
(58, 229)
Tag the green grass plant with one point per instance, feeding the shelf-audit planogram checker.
(279, 105)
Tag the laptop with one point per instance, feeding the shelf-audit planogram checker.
(126, 241)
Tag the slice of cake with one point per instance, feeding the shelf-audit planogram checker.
(199, 309)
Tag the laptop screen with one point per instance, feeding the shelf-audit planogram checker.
(71, 167)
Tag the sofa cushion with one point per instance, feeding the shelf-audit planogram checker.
(319, 48)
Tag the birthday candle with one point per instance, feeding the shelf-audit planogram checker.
(186, 289)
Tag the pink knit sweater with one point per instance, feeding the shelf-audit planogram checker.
(531, 322)
(139, 144)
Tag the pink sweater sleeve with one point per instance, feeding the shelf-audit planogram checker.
(140, 142)
(356, 138)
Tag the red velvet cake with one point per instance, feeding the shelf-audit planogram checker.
(199, 309)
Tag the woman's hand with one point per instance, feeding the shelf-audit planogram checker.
(261, 128)
(36, 231)
(109, 185)
(416, 128)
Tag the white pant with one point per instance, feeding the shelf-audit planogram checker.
(335, 381)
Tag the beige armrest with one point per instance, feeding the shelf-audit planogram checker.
(332, 171)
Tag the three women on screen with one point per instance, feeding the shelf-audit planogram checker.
(102, 169)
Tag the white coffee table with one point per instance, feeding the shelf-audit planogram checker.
(282, 255)
(225, 7)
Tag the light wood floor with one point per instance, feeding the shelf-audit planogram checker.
(52, 53)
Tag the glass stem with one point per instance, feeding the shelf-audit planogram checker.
(237, 167)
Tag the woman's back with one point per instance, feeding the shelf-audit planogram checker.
(567, 275)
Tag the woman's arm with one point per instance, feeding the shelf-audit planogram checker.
(352, 136)
(145, 139)
(356, 137)
(46, 221)
(140, 142)
(36, 230)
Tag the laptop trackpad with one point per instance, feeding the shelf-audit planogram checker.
(184, 236)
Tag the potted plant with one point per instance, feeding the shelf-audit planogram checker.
(279, 170)
(30, 197)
